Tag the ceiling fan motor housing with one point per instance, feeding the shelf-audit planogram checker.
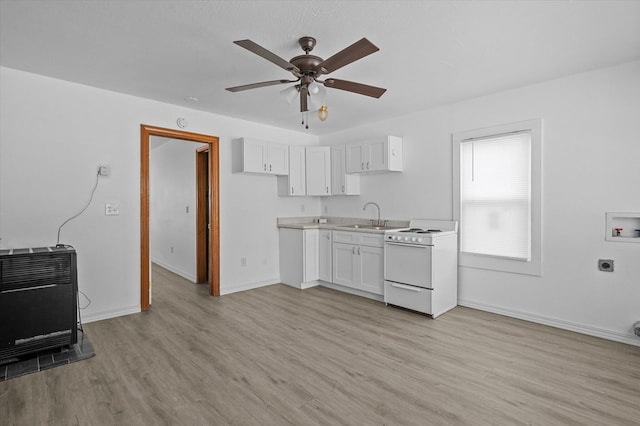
(307, 43)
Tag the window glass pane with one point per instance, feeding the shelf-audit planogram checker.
(495, 196)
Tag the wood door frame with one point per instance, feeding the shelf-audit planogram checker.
(146, 132)
(202, 168)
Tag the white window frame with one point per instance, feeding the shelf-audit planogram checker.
(533, 266)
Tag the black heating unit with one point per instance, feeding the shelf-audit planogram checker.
(38, 300)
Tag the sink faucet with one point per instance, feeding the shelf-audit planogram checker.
(378, 222)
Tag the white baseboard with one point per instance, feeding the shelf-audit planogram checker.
(224, 290)
(98, 316)
(629, 339)
(349, 290)
(183, 274)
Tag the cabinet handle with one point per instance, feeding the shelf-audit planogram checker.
(328, 236)
(264, 167)
(292, 190)
(269, 167)
(327, 189)
(342, 188)
(353, 250)
(358, 251)
(367, 165)
(362, 165)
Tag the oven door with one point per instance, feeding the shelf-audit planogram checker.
(408, 264)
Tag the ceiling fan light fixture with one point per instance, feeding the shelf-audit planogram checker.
(317, 95)
(323, 113)
(289, 94)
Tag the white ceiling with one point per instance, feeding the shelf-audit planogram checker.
(431, 52)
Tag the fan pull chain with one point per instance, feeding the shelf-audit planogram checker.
(307, 120)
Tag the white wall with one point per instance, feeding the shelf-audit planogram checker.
(590, 166)
(172, 205)
(53, 135)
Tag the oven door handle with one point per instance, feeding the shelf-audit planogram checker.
(407, 287)
(409, 245)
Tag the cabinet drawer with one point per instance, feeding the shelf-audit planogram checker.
(416, 298)
(358, 238)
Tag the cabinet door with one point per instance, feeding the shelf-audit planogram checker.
(355, 158)
(311, 270)
(318, 167)
(297, 182)
(338, 170)
(377, 155)
(371, 269)
(252, 156)
(325, 255)
(277, 159)
(345, 270)
(341, 182)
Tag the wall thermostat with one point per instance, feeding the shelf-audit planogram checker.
(182, 123)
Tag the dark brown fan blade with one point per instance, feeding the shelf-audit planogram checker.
(256, 85)
(350, 86)
(357, 50)
(269, 56)
(304, 93)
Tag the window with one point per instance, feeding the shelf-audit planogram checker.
(497, 200)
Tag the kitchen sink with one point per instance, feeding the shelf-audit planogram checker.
(373, 227)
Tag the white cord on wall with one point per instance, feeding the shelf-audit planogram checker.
(81, 211)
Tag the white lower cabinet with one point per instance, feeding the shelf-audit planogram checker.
(299, 257)
(325, 255)
(356, 265)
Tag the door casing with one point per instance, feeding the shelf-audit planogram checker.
(146, 132)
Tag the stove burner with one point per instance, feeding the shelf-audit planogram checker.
(421, 231)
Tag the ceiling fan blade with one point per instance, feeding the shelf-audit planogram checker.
(304, 94)
(350, 86)
(266, 54)
(357, 50)
(256, 85)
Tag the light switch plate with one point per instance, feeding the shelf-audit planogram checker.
(112, 209)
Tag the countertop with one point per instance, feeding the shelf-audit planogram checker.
(338, 223)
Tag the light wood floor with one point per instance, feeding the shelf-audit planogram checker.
(279, 356)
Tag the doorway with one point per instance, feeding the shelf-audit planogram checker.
(211, 200)
(203, 218)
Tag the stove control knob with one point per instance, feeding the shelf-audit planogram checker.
(419, 240)
(414, 239)
(406, 238)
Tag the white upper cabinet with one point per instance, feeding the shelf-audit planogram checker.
(295, 183)
(375, 156)
(341, 182)
(318, 168)
(277, 159)
(258, 156)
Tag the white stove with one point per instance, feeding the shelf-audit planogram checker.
(422, 232)
(421, 265)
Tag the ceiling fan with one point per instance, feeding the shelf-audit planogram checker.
(308, 68)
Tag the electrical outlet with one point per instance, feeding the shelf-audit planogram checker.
(605, 265)
(243, 261)
(171, 249)
(302, 208)
(104, 171)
